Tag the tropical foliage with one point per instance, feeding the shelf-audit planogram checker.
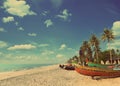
(91, 50)
(95, 45)
(108, 36)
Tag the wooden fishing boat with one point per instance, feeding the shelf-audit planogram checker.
(92, 64)
(95, 71)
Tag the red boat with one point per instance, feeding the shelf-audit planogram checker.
(95, 71)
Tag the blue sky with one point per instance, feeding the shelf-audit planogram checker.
(51, 31)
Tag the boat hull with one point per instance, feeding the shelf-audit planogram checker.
(93, 71)
(91, 64)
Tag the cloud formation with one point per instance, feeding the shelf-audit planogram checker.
(48, 23)
(44, 13)
(17, 8)
(63, 46)
(20, 28)
(32, 34)
(3, 44)
(47, 52)
(116, 31)
(64, 15)
(8, 19)
(22, 47)
(16, 23)
(114, 45)
(2, 30)
(43, 45)
(1, 53)
(116, 28)
(60, 56)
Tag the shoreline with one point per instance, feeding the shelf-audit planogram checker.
(15, 73)
(52, 76)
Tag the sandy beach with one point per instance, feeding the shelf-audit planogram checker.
(52, 76)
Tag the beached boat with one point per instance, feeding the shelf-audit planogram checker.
(92, 64)
(67, 67)
(95, 71)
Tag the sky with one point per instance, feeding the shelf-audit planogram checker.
(52, 31)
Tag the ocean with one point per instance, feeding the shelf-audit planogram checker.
(16, 67)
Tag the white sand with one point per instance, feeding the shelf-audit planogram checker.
(52, 76)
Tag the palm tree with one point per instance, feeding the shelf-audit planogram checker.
(116, 55)
(108, 35)
(80, 55)
(104, 56)
(75, 59)
(85, 48)
(95, 44)
(90, 54)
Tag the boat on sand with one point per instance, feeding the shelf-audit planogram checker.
(67, 67)
(95, 71)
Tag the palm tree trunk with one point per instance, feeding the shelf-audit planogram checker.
(111, 57)
(96, 52)
(110, 53)
(97, 57)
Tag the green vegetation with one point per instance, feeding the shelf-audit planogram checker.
(108, 35)
(90, 50)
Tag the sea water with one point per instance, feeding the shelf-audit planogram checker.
(16, 67)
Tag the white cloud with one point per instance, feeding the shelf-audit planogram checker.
(64, 15)
(57, 3)
(22, 47)
(43, 45)
(16, 23)
(32, 34)
(21, 28)
(8, 19)
(39, 45)
(115, 44)
(2, 30)
(3, 44)
(18, 8)
(26, 57)
(21, 58)
(47, 52)
(60, 56)
(63, 46)
(44, 13)
(70, 49)
(1, 53)
(116, 28)
(48, 23)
